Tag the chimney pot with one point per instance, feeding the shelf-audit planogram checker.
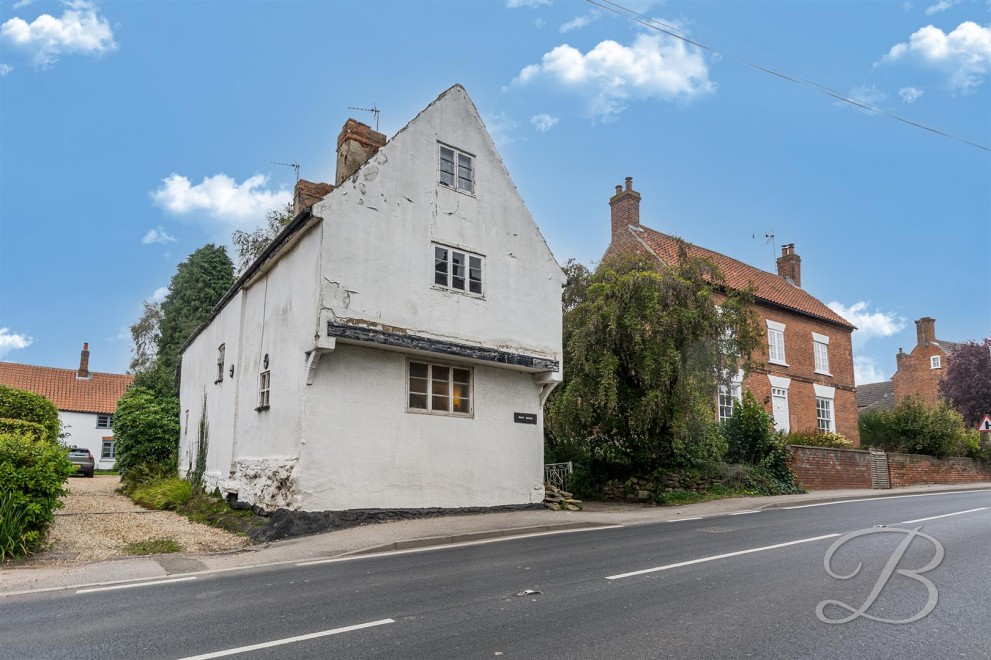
(619, 189)
(629, 183)
(790, 264)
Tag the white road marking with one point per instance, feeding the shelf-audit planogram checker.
(888, 497)
(288, 640)
(945, 515)
(136, 584)
(741, 513)
(723, 556)
(680, 519)
(461, 544)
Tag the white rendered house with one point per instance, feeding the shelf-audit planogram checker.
(394, 346)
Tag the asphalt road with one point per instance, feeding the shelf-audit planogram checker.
(735, 586)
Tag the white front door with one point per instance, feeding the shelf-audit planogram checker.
(779, 398)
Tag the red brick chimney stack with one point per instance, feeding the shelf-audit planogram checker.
(790, 264)
(84, 362)
(625, 206)
(355, 145)
(925, 330)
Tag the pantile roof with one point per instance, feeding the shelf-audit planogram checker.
(768, 287)
(96, 394)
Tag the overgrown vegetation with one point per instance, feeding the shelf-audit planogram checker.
(165, 494)
(32, 481)
(817, 438)
(914, 427)
(146, 429)
(250, 245)
(24, 406)
(152, 547)
(754, 443)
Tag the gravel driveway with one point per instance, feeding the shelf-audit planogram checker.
(96, 523)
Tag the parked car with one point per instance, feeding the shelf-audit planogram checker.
(83, 460)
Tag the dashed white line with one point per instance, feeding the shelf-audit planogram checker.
(680, 519)
(741, 513)
(132, 585)
(945, 515)
(723, 556)
(288, 640)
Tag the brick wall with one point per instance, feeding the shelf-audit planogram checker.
(910, 469)
(819, 468)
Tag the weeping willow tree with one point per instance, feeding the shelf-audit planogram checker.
(646, 348)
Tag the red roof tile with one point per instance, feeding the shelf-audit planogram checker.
(768, 287)
(97, 394)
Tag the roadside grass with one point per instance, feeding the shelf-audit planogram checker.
(152, 547)
(681, 497)
(105, 472)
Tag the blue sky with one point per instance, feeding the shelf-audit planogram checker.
(132, 133)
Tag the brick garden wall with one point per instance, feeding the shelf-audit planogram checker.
(819, 468)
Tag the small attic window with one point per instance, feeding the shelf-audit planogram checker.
(457, 169)
(935, 362)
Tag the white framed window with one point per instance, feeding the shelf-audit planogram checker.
(776, 342)
(104, 421)
(442, 389)
(458, 270)
(457, 169)
(824, 414)
(220, 362)
(108, 451)
(264, 387)
(935, 362)
(820, 351)
(730, 396)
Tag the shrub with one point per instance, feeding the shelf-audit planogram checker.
(13, 531)
(32, 430)
(816, 438)
(143, 474)
(30, 407)
(146, 430)
(912, 426)
(169, 493)
(32, 479)
(749, 432)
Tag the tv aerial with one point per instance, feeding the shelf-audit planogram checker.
(769, 240)
(294, 165)
(374, 110)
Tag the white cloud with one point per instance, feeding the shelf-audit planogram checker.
(942, 5)
(5, 69)
(612, 75)
(543, 122)
(910, 94)
(20, 4)
(221, 198)
(160, 294)
(12, 341)
(868, 94)
(870, 324)
(578, 22)
(501, 128)
(80, 30)
(157, 235)
(866, 370)
(532, 4)
(963, 55)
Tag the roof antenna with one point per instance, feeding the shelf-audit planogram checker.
(769, 240)
(374, 110)
(294, 165)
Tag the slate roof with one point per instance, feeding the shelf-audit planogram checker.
(949, 347)
(97, 394)
(769, 287)
(875, 395)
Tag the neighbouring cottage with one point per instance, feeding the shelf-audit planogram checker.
(805, 372)
(872, 397)
(86, 401)
(394, 345)
(918, 373)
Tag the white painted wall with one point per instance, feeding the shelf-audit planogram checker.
(83, 433)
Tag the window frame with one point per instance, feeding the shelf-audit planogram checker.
(935, 362)
(430, 392)
(468, 268)
(458, 154)
(820, 342)
(221, 353)
(776, 330)
(825, 405)
(110, 420)
(113, 450)
(264, 390)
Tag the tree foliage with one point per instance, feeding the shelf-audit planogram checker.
(646, 348)
(145, 336)
(146, 430)
(967, 382)
(914, 427)
(249, 245)
(198, 285)
(30, 407)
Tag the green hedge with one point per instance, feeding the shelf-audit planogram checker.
(146, 430)
(32, 479)
(33, 430)
(818, 439)
(30, 407)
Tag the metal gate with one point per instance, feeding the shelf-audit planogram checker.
(556, 474)
(879, 469)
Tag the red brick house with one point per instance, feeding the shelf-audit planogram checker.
(804, 375)
(918, 373)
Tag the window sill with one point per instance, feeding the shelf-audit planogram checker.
(778, 362)
(457, 190)
(468, 294)
(418, 411)
(824, 373)
(261, 408)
